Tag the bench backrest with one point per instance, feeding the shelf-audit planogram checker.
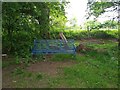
(53, 44)
(56, 45)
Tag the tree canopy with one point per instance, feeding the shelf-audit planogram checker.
(98, 8)
(25, 21)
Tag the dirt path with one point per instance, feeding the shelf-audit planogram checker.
(96, 41)
(49, 67)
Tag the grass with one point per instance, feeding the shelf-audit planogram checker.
(97, 68)
(8, 63)
(79, 34)
(61, 57)
(92, 74)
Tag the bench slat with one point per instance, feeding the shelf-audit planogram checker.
(53, 46)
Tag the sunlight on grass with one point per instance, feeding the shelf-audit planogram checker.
(97, 68)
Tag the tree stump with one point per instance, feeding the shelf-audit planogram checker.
(80, 47)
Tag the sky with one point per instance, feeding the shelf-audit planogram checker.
(77, 9)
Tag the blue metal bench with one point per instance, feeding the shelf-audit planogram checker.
(53, 46)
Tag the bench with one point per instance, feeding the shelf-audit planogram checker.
(53, 46)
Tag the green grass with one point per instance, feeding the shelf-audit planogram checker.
(89, 72)
(92, 73)
(63, 57)
(97, 68)
(8, 63)
(79, 34)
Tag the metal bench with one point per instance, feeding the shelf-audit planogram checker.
(53, 46)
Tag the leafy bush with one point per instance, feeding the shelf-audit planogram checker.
(80, 34)
(104, 34)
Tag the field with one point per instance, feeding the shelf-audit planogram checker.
(94, 68)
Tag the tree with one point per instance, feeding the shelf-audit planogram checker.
(110, 24)
(25, 21)
(98, 8)
(92, 25)
(73, 22)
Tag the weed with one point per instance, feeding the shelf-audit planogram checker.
(17, 61)
(39, 76)
(18, 71)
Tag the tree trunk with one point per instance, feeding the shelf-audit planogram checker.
(43, 20)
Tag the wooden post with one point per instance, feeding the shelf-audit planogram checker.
(62, 36)
(64, 39)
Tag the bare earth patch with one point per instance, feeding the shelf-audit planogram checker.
(49, 67)
(96, 41)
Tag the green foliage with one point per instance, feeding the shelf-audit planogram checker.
(80, 34)
(97, 8)
(110, 24)
(91, 25)
(73, 22)
(17, 60)
(104, 34)
(23, 22)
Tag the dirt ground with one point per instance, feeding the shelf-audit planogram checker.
(97, 41)
(50, 67)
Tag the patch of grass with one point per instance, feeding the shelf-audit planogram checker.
(8, 63)
(39, 76)
(91, 75)
(63, 57)
(95, 69)
(31, 80)
(18, 71)
(53, 82)
(21, 72)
